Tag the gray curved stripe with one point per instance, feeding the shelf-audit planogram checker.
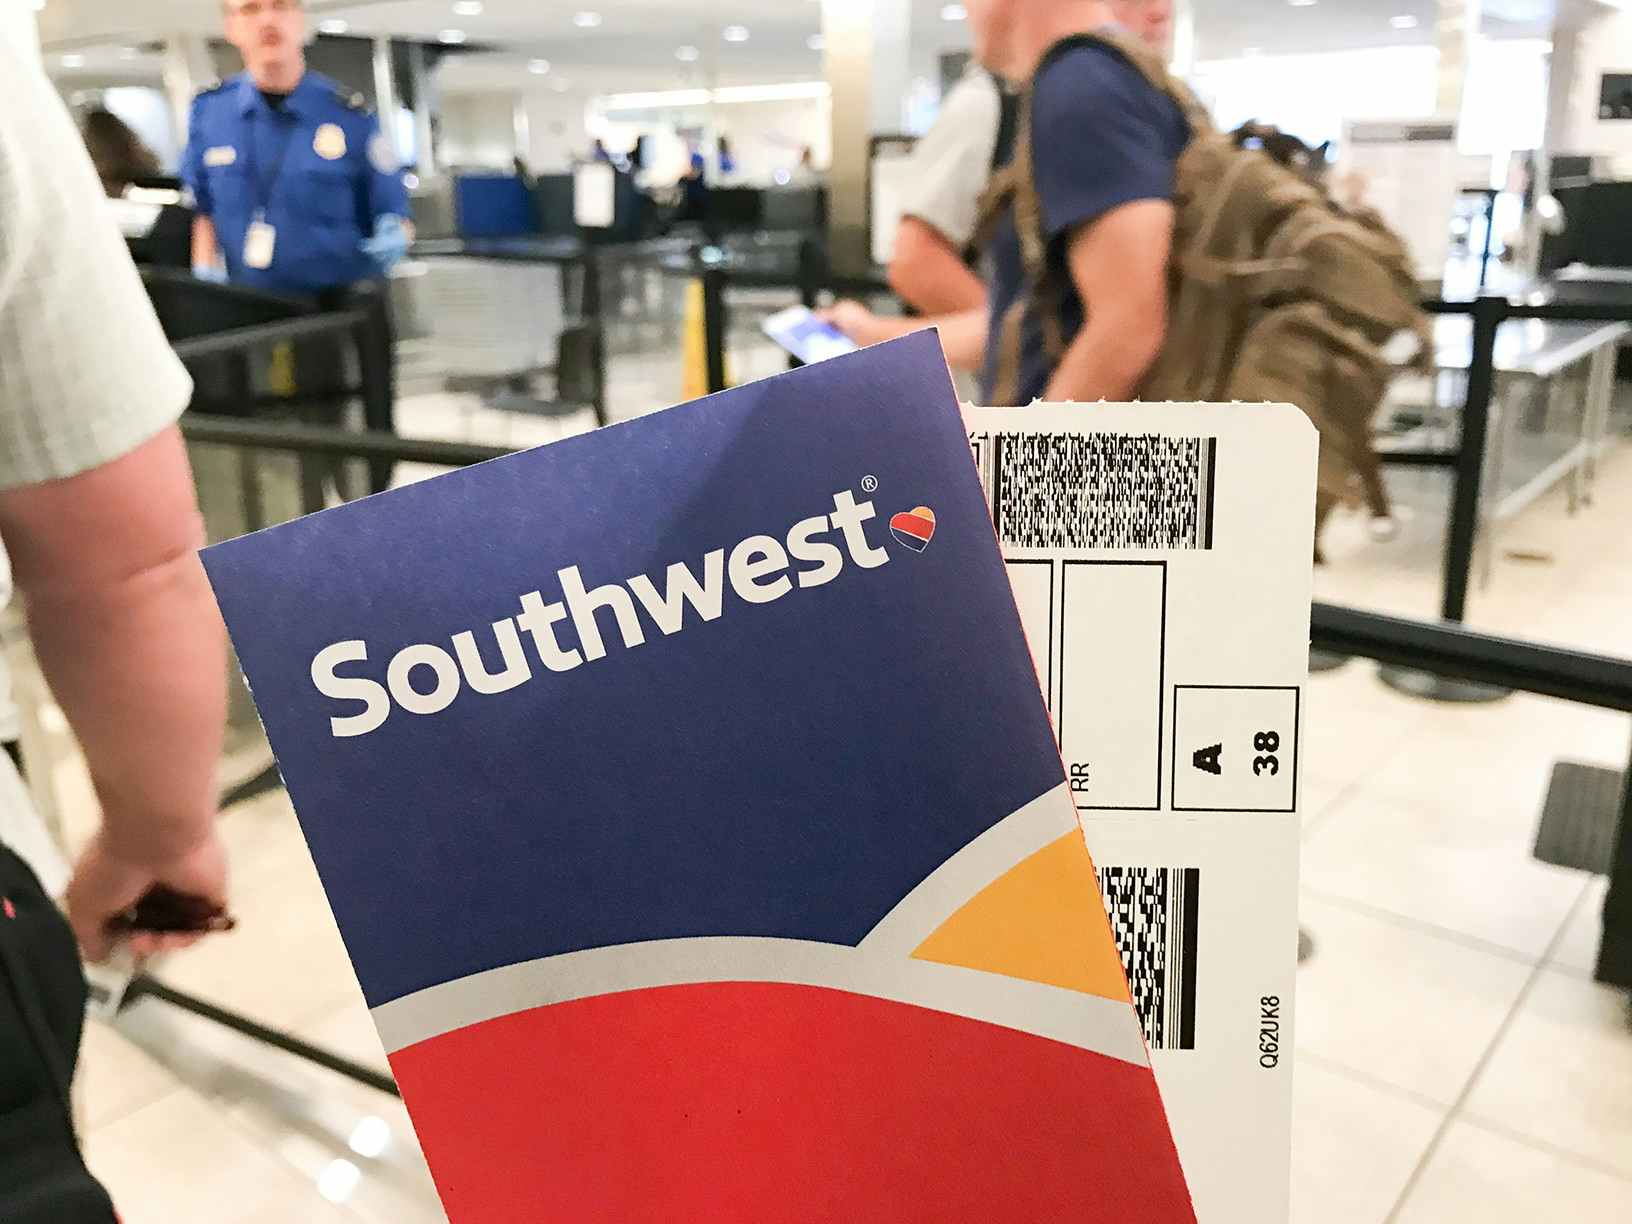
(1086, 1021)
(1011, 841)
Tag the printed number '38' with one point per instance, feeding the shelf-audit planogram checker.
(1268, 742)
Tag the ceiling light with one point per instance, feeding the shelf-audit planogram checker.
(662, 98)
(816, 42)
(1405, 21)
(334, 25)
(467, 8)
(735, 33)
(773, 93)
(586, 20)
(538, 66)
(1301, 3)
(687, 55)
(652, 99)
(451, 36)
(954, 12)
(73, 60)
(129, 52)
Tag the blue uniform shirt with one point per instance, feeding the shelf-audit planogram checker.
(1101, 136)
(319, 169)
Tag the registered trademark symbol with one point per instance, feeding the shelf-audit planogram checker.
(869, 484)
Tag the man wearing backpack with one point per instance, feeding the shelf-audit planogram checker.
(1124, 207)
(933, 268)
(1098, 153)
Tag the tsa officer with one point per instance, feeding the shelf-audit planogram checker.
(296, 188)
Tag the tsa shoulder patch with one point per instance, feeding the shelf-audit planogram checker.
(688, 804)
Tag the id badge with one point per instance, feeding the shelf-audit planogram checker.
(259, 241)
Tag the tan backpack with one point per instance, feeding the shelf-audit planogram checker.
(1276, 293)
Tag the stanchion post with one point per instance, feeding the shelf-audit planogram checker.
(810, 272)
(1615, 948)
(239, 391)
(714, 327)
(375, 359)
(810, 279)
(1491, 195)
(590, 270)
(1489, 312)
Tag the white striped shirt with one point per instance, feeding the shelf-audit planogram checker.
(86, 374)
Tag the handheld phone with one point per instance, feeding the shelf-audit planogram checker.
(808, 338)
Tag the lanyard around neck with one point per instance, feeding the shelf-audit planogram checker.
(264, 187)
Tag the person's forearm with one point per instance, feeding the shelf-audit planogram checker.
(880, 328)
(139, 669)
(929, 275)
(128, 636)
(963, 337)
(949, 288)
(204, 244)
(1108, 359)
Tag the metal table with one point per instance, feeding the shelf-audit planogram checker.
(1557, 356)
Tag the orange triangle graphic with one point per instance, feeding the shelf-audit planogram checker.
(1042, 921)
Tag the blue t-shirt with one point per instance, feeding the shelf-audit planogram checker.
(1101, 136)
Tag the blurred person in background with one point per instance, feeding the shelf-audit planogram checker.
(805, 173)
(935, 264)
(1104, 144)
(932, 268)
(98, 515)
(118, 154)
(298, 191)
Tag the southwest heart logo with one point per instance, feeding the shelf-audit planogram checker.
(914, 528)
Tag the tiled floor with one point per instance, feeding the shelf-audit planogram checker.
(1456, 1060)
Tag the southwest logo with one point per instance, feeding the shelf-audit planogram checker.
(914, 528)
(567, 632)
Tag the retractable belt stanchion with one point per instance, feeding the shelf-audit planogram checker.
(714, 324)
(595, 336)
(1488, 313)
(810, 268)
(1615, 951)
(1594, 680)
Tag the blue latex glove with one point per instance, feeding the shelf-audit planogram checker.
(212, 272)
(388, 245)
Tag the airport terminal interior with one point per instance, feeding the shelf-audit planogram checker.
(610, 208)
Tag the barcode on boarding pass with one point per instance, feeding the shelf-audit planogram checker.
(1108, 491)
(1153, 917)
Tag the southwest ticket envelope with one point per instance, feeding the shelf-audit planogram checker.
(1160, 556)
(686, 800)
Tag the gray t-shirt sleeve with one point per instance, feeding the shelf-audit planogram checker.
(86, 374)
(952, 164)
